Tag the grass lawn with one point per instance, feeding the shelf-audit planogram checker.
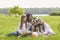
(9, 24)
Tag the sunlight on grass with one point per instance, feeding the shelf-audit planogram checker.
(9, 24)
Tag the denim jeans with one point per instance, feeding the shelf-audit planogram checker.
(14, 33)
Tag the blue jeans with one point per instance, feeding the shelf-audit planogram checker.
(14, 33)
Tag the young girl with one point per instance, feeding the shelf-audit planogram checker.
(29, 21)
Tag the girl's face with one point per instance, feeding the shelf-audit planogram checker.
(24, 19)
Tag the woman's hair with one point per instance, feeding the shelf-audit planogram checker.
(28, 15)
(22, 17)
(41, 24)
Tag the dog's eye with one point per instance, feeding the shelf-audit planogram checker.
(36, 21)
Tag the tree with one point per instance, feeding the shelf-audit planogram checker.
(16, 10)
(57, 13)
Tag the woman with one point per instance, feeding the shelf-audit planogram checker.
(45, 29)
(22, 27)
(29, 21)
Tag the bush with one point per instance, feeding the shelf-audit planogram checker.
(55, 14)
(16, 10)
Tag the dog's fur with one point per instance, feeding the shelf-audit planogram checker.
(38, 26)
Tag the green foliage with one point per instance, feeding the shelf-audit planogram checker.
(55, 14)
(16, 10)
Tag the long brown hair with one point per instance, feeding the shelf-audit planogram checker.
(22, 17)
(41, 24)
(28, 15)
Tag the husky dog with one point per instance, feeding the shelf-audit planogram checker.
(38, 23)
(37, 26)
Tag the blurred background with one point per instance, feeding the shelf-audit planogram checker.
(36, 7)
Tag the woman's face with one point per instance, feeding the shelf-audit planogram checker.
(30, 17)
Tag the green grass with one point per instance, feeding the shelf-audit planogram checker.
(9, 24)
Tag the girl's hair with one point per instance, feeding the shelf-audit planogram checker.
(43, 28)
(28, 15)
(22, 17)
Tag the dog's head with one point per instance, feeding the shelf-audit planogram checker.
(35, 21)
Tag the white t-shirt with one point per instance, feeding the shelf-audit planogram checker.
(29, 25)
(24, 29)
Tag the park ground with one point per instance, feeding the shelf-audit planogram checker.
(9, 24)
